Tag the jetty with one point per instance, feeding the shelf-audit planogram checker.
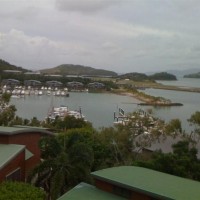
(159, 104)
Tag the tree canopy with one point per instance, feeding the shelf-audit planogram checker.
(181, 162)
(163, 76)
(20, 191)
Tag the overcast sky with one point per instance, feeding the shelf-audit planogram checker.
(118, 35)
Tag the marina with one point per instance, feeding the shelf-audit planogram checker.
(19, 92)
(98, 108)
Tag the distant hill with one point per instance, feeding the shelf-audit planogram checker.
(178, 73)
(195, 75)
(163, 76)
(7, 66)
(143, 77)
(134, 76)
(69, 69)
(182, 73)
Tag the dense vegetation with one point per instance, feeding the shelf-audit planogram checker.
(7, 112)
(7, 66)
(163, 76)
(135, 76)
(195, 75)
(143, 77)
(20, 191)
(69, 69)
(77, 148)
(181, 162)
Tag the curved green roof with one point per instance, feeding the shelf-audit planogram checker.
(4, 130)
(152, 183)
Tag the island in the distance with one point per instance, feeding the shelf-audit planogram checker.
(195, 75)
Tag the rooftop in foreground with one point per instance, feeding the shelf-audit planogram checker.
(23, 129)
(152, 183)
(8, 152)
(85, 191)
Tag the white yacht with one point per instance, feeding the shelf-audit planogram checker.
(64, 111)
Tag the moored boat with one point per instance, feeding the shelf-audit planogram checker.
(64, 111)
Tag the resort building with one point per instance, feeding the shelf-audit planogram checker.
(135, 183)
(32, 83)
(32, 73)
(54, 84)
(75, 85)
(12, 71)
(96, 85)
(10, 82)
(19, 151)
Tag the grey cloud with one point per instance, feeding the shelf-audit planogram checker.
(195, 48)
(38, 51)
(84, 6)
(124, 35)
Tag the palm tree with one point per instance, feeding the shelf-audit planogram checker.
(61, 168)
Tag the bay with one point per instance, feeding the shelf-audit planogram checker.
(98, 108)
(184, 82)
(190, 101)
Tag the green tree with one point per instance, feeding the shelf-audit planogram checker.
(117, 144)
(34, 122)
(17, 121)
(68, 122)
(20, 191)
(6, 97)
(194, 121)
(7, 112)
(90, 138)
(62, 167)
(173, 127)
(182, 162)
(50, 147)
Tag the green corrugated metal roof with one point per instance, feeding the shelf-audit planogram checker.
(35, 127)
(153, 183)
(4, 130)
(10, 129)
(84, 191)
(8, 152)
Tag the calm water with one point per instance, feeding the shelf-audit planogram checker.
(190, 101)
(191, 104)
(99, 108)
(184, 82)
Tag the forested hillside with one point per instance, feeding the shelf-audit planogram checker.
(135, 76)
(163, 76)
(69, 69)
(7, 66)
